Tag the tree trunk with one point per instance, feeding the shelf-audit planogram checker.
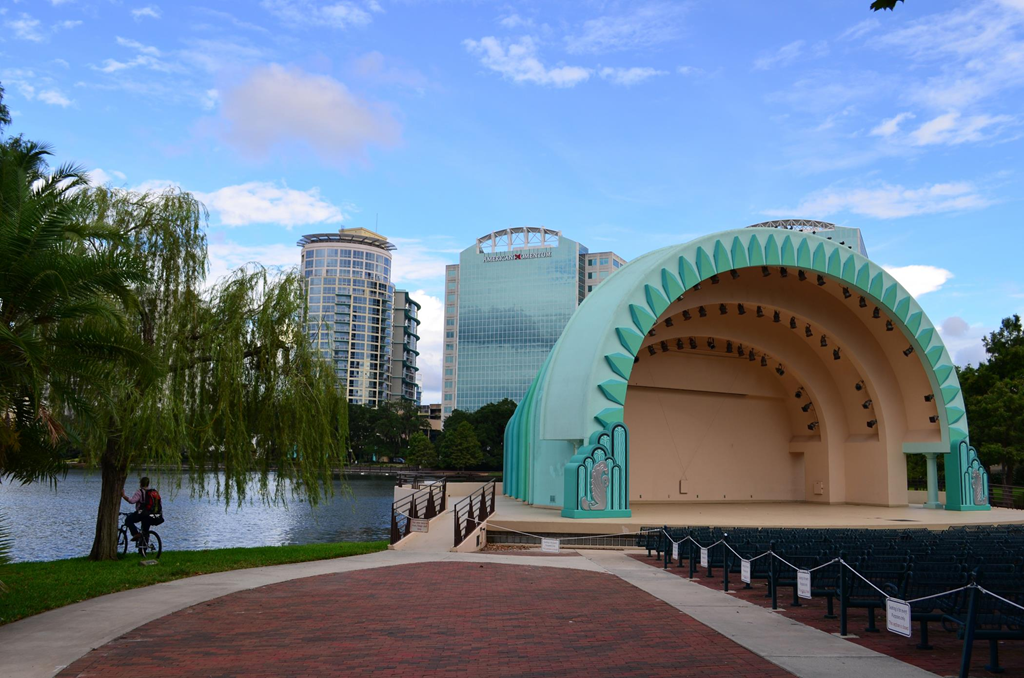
(114, 471)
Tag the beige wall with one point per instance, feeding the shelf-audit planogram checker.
(711, 424)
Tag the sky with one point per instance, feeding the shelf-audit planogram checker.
(626, 125)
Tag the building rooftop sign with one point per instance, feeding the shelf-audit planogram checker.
(522, 237)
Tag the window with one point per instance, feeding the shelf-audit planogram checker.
(450, 322)
(451, 285)
(448, 371)
(448, 360)
(590, 288)
(590, 276)
(590, 262)
(450, 310)
(449, 347)
(448, 383)
(450, 334)
(448, 397)
(615, 264)
(447, 410)
(604, 261)
(604, 274)
(452, 272)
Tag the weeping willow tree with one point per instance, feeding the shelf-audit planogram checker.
(239, 393)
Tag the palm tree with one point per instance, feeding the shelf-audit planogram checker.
(63, 294)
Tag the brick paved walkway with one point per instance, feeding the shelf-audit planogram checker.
(452, 619)
(943, 659)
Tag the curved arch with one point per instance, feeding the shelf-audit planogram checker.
(581, 388)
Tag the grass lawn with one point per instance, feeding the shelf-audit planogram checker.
(39, 586)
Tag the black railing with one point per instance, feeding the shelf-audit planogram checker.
(473, 510)
(1006, 496)
(425, 503)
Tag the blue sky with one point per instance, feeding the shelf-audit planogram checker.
(627, 125)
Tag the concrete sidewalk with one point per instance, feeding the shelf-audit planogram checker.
(46, 643)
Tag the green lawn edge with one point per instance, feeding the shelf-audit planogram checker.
(35, 587)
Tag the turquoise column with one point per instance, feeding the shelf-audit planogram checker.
(933, 481)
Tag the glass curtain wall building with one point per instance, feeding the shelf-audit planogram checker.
(350, 304)
(506, 303)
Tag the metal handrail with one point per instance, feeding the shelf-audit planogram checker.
(427, 503)
(473, 510)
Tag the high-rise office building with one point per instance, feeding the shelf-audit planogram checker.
(350, 304)
(405, 338)
(506, 302)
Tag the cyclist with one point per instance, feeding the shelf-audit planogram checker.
(147, 508)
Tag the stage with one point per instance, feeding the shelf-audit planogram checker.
(514, 514)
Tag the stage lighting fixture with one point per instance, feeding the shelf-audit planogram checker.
(908, 350)
(702, 313)
(934, 418)
(813, 425)
(751, 357)
(740, 309)
(714, 279)
(723, 309)
(784, 272)
(686, 315)
(792, 323)
(679, 344)
(930, 397)
(824, 341)
(889, 326)
(651, 332)
(760, 312)
(799, 393)
(739, 350)
(846, 293)
(734, 273)
(711, 343)
(866, 404)
(697, 287)
(776, 317)
(664, 347)
(859, 386)
(871, 424)
(835, 354)
(693, 343)
(650, 349)
(863, 303)
(669, 322)
(728, 347)
(807, 407)
(764, 361)
(765, 272)
(780, 370)
(801, 276)
(808, 331)
(821, 281)
(877, 313)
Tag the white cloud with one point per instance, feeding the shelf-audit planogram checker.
(210, 99)
(515, 21)
(157, 186)
(54, 97)
(629, 76)
(277, 106)
(784, 56)
(101, 177)
(951, 129)
(919, 279)
(416, 261)
(963, 341)
(890, 126)
(518, 62)
(149, 11)
(25, 28)
(138, 46)
(690, 70)
(644, 27)
(430, 344)
(313, 13)
(258, 202)
(890, 201)
(66, 25)
(861, 29)
(226, 256)
(374, 66)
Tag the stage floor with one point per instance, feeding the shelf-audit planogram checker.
(519, 516)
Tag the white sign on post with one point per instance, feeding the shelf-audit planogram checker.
(897, 617)
(745, 571)
(803, 583)
(703, 557)
(419, 525)
(549, 545)
(675, 551)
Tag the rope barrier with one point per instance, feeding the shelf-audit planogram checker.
(834, 560)
(866, 580)
(996, 595)
(560, 539)
(940, 595)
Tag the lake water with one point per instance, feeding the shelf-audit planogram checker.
(47, 524)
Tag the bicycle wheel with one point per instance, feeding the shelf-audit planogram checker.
(122, 541)
(155, 546)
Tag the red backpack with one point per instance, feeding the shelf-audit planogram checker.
(151, 504)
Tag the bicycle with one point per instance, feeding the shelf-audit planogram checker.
(149, 541)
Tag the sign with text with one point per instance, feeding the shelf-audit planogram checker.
(745, 571)
(675, 551)
(897, 617)
(803, 583)
(549, 545)
(518, 256)
(419, 525)
(703, 557)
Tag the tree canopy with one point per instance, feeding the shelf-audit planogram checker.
(460, 448)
